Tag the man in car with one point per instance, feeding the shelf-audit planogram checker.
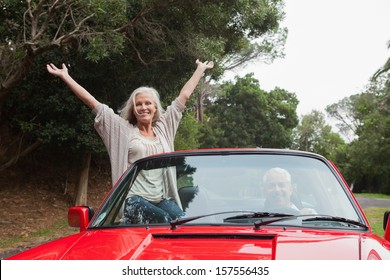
(279, 191)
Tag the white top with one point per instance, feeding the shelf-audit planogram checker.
(149, 183)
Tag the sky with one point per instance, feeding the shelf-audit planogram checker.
(332, 49)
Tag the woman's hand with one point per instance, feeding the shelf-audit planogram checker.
(52, 69)
(205, 65)
(77, 89)
(190, 85)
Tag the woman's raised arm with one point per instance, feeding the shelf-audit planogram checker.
(77, 89)
(191, 84)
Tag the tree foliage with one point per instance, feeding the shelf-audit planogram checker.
(314, 135)
(367, 155)
(344, 114)
(244, 115)
(154, 30)
(187, 137)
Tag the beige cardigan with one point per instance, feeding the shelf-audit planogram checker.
(117, 132)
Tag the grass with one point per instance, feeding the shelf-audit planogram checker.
(374, 214)
(375, 217)
(56, 228)
(373, 195)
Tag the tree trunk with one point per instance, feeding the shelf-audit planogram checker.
(82, 187)
(199, 107)
(20, 154)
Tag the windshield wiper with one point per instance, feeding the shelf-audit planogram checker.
(251, 215)
(254, 215)
(349, 222)
(180, 221)
(274, 217)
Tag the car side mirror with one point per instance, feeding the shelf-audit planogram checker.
(386, 225)
(79, 216)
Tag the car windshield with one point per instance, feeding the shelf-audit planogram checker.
(220, 187)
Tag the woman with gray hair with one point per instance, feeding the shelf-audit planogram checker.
(143, 128)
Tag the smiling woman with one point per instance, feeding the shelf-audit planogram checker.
(142, 129)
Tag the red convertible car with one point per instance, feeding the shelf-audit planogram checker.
(237, 204)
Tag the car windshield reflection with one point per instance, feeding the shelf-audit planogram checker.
(203, 184)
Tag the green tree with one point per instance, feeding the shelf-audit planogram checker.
(154, 30)
(343, 112)
(314, 135)
(367, 155)
(187, 137)
(244, 115)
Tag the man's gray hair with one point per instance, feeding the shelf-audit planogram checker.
(279, 171)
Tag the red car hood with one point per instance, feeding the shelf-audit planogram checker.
(211, 243)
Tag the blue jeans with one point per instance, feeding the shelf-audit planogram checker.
(138, 210)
